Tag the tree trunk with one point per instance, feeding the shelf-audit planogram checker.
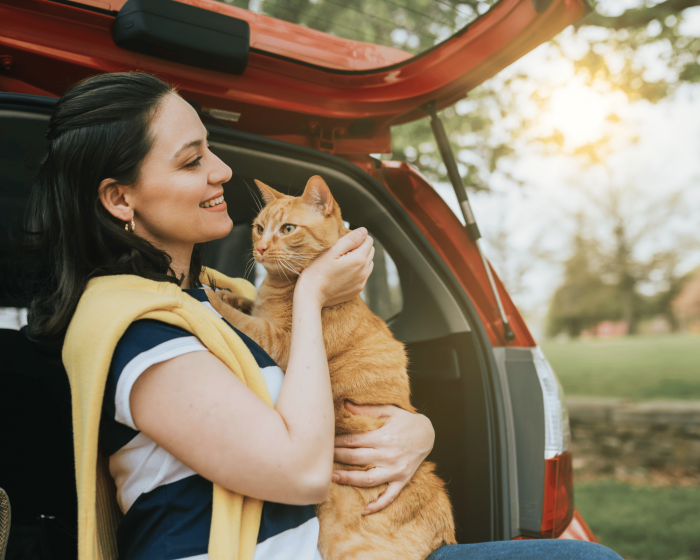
(629, 308)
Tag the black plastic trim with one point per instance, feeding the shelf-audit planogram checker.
(36, 102)
(86, 7)
(183, 33)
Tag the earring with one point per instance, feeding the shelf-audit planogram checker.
(130, 226)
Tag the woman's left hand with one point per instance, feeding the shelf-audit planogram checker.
(395, 450)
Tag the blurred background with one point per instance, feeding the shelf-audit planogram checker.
(583, 165)
(582, 161)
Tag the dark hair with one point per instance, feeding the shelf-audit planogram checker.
(99, 129)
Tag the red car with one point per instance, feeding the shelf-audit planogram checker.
(283, 102)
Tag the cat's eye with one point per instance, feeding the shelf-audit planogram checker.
(288, 228)
(260, 229)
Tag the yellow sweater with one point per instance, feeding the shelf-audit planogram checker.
(107, 307)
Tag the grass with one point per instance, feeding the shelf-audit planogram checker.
(641, 522)
(636, 367)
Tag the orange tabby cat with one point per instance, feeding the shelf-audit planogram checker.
(367, 366)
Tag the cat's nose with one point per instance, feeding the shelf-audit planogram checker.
(261, 249)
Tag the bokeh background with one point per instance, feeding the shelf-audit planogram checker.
(582, 162)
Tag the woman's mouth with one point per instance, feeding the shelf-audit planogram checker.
(213, 202)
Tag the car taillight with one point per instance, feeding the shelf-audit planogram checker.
(558, 499)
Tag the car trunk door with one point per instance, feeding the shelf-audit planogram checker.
(301, 84)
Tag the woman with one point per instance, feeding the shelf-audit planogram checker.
(130, 187)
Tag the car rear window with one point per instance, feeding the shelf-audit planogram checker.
(412, 26)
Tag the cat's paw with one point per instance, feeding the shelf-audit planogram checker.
(241, 303)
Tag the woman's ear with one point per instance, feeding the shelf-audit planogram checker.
(114, 199)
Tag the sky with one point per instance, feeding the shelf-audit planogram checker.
(654, 154)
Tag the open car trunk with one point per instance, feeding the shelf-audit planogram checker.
(490, 405)
(452, 367)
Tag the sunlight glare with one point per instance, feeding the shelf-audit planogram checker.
(579, 113)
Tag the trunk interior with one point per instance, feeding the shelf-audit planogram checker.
(451, 375)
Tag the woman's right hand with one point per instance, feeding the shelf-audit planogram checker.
(339, 274)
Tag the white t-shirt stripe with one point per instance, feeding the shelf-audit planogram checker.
(132, 371)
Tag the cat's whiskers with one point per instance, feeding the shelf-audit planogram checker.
(254, 195)
(250, 265)
(283, 272)
(296, 263)
(289, 266)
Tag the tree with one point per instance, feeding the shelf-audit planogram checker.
(583, 300)
(632, 220)
(665, 303)
(686, 304)
(619, 45)
(604, 276)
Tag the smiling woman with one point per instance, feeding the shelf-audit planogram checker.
(127, 191)
(176, 182)
(71, 233)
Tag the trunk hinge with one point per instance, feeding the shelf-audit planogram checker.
(472, 228)
(323, 138)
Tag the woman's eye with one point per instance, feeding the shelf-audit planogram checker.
(288, 228)
(194, 163)
(260, 229)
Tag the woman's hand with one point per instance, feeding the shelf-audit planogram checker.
(395, 450)
(340, 273)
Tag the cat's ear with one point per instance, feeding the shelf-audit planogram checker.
(319, 195)
(268, 193)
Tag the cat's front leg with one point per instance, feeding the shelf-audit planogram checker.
(241, 303)
(270, 338)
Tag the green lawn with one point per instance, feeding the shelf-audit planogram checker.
(641, 522)
(637, 367)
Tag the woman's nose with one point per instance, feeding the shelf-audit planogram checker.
(220, 173)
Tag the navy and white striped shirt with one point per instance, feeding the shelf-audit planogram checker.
(168, 506)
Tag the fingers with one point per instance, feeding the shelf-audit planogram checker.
(365, 248)
(350, 241)
(361, 456)
(385, 499)
(362, 479)
(369, 264)
(365, 439)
